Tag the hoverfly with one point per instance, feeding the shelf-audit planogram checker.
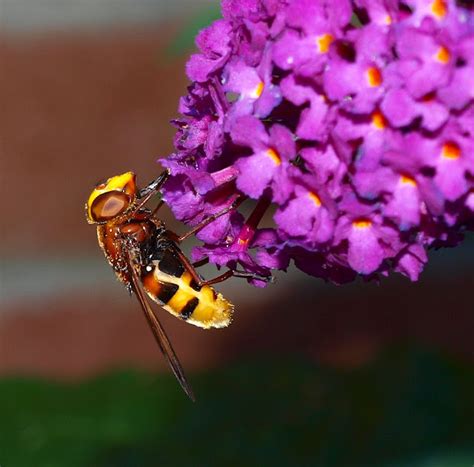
(146, 258)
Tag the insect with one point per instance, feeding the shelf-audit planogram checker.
(146, 258)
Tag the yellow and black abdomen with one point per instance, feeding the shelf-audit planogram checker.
(168, 283)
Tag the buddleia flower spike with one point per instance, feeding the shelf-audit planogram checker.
(354, 119)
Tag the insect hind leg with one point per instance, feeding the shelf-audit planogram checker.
(250, 275)
(231, 273)
(191, 268)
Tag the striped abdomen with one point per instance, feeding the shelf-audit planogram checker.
(168, 283)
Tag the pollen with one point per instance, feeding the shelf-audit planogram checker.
(243, 241)
(450, 151)
(439, 8)
(443, 55)
(324, 42)
(315, 198)
(273, 155)
(378, 120)
(257, 92)
(407, 180)
(374, 77)
(387, 20)
(362, 224)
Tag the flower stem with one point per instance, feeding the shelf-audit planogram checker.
(248, 230)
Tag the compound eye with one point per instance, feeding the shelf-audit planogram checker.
(109, 205)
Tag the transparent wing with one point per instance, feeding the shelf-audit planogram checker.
(159, 333)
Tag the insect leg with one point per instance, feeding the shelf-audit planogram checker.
(200, 263)
(251, 275)
(221, 278)
(154, 186)
(157, 208)
(211, 218)
(151, 190)
(191, 268)
(230, 273)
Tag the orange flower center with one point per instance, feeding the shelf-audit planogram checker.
(378, 120)
(439, 8)
(362, 224)
(443, 56)
(406, 180)
(324, 42)
(451, 151)
(257, 92)
(315, 198)
(374, 77)
(273, 155)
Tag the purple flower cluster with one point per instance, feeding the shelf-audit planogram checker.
(354, 119)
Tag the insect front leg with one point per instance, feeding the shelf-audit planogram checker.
(145, 194)
(154, 186)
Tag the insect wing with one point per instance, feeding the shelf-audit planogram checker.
(159, 333)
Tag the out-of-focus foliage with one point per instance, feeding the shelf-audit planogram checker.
(184, 40)
(409, 409)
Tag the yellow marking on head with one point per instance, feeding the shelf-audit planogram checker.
(443, 56)
(121, 183)
(374, 77)
(257, 92)
(324, 42)
(362, 224)
(439, 8)
(406, 180)
(450, 150)
(273, 155)
(315, 198)
(378, 120)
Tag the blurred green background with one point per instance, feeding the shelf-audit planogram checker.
(409, 408)
(309, 374)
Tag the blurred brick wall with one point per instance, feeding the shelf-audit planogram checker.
(74, 110)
